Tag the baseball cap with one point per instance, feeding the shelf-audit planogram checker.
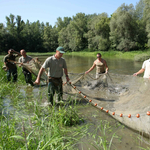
(60, 49)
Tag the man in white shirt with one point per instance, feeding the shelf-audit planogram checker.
(145, 68)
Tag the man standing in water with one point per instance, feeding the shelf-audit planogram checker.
(25, 59)
(100, 64)
(56, 65)
(9, 61)
(146, 68)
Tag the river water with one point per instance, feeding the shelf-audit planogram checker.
(128, 138)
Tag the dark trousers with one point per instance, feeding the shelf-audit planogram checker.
(28, 77)
(55, 85)
(14, 74)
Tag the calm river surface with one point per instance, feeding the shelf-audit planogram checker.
(128, 138)
(80, 64)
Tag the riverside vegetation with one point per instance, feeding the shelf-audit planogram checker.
(127, 29)
(25, 124)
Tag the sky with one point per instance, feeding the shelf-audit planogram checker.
(50, 10)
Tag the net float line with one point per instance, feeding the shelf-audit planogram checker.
(102, 108)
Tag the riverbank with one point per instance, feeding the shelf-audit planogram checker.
(134, 55)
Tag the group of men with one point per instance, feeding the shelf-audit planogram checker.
(56, 65)
(11, 68)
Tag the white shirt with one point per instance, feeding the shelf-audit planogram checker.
(146, 66)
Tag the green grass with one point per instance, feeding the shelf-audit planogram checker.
(135, 55)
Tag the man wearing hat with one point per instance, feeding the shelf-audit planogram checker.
(56, 65)
(9, 62)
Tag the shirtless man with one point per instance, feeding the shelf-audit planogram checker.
(100, 64)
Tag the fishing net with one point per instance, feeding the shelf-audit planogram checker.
(34, 66)
(106, 87)
(111, 90)
(124, 97)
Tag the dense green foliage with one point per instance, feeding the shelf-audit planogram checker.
(127, 29)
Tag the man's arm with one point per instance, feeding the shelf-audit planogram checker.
(106, 66)
(37, 81)
(16, 52)
(91, 68)
(5, 63)
(139, 72)
(66, 73)
(6, 66)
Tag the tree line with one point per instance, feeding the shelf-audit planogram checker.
(127, 29)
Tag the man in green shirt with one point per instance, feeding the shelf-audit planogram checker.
(56, 65)
(9, 62)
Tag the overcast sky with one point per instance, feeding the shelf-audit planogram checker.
(50, 10)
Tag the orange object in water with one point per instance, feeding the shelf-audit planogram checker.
(101, 108)
(129, 115)
(95, 104)
(121, 115)
(74, 87)
(138, 115)
(90, 100)
(84, 96)
(113, 113)
(107, 111)
(148, 113)
(79, 91)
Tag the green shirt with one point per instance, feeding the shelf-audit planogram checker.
(25, 59)
(10, 65)
(55, 66)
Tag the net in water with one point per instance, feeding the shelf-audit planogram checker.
(34, 66)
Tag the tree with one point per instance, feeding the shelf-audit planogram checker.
(147, 19)
(11, 30)
(63, 38)
(98, 32)
(60, 24)
(75, 32)
(50, 38)
(123, 28)
(141, 25)
(3, 39)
